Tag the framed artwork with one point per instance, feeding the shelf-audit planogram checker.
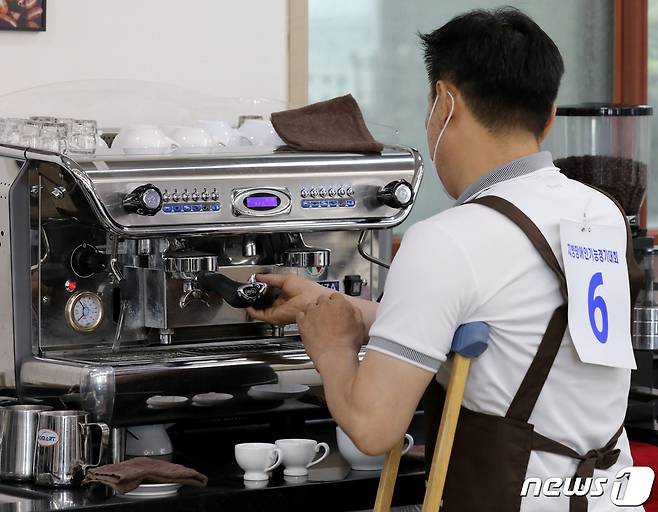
(25, 15)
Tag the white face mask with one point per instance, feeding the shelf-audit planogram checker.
(438, 139)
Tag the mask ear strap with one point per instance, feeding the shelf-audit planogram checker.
(452, 110)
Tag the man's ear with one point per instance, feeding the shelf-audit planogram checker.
(549, 124)
(444, 104)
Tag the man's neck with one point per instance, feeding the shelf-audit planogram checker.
(481, 156)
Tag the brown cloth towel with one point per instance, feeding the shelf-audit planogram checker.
(128, 475)
(332, 125)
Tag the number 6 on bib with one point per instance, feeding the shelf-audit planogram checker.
(599, 304)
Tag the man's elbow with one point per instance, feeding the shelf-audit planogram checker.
(373, 440)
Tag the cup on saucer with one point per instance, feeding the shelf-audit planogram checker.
(298, 454)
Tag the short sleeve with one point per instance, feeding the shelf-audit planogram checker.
(430, 290)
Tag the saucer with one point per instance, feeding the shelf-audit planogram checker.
(277, 391)
(153, 491)
(166, 402)
(210, 399)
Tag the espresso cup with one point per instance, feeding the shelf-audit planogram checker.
(358, 460)
(298, 454)
(257, 459)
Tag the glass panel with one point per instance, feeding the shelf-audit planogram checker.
(370, 48)
(652, 195)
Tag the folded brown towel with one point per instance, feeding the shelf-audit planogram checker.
(128, 475)
(332, 125)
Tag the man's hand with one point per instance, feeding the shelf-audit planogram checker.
(296, 295)
(331, 324)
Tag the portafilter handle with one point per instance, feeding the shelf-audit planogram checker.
(239, 295)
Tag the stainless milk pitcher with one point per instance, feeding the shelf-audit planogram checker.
(18, 434)
(63, 451)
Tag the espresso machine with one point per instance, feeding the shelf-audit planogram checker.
(608, 146)
(126, 277)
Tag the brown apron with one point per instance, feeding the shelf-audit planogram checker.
(491, 453)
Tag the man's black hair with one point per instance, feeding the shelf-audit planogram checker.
(505, 66)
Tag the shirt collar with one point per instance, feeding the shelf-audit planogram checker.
(514, 169)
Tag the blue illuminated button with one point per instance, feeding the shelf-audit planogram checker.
(315, 204)
(206, 208)
(350, 203)
(187, 208)
(196, 207)
(333, 204)
(176, 208)
(214, 207)
(306, 204)
(324, 204)
(167, 208)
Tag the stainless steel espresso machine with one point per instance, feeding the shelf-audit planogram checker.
(127, 277)
(608, 146)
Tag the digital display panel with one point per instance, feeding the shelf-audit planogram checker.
(262, 202)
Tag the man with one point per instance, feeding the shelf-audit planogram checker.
(494, 78)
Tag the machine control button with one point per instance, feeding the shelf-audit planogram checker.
(397, 194)
(350, 203)
(353, 285)
(185, 196)
(341, 192)
(204, 195)
(333, 204)
(144, 200)
(215, 207)
(306, 204)
(175, 197)
(331, 192)
(322, 192)
(168, 208)
(214, 195)
(195, 196)
(349, 191)
(324, 204)
(303, 192)
(315, 204)
(87, 261)
(313, 192)
(165, 196)
(187, 208)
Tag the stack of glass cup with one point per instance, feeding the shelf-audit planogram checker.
(59, 135)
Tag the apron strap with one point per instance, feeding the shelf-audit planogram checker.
(528, 393)
(603, 458)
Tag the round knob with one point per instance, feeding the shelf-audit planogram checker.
(204, 195)
(397, 194)
(195, 196)
(322, 192)
(144, 200)
(313, 192)
(331, 192)
(185, 196)
(214, 196)
(87, 261)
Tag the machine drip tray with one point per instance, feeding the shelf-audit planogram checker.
(178, 353)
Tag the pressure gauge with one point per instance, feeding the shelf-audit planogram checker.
(84, 311)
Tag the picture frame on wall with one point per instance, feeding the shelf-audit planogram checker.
(23, 15)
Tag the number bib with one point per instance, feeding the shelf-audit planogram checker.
(599, 293)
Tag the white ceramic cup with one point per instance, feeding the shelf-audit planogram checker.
(298, 454)
(192, 139)
(222, 132)
(257, 459)
(358, 460)
(260, 133)
(143, 140)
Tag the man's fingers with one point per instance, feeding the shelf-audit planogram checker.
(275, 280)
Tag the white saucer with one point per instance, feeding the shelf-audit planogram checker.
(166, 402)
(153, 491)
(210, 399)
(277, 391)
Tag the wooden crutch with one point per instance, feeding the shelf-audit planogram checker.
(469, 342)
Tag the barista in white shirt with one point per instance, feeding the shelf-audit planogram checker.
(494, 78)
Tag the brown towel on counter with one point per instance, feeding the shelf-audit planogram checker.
(332, 125)
(128, 475)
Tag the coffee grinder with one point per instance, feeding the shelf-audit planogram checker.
(608, 146)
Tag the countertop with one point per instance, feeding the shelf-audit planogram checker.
(331, 486)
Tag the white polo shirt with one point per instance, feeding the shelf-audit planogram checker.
(470, 263)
